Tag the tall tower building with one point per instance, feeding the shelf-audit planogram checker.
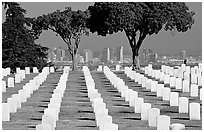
(144, 55)
(183, 55)
(112, 55)
(106, 55)
(119, 53)
(88, 55)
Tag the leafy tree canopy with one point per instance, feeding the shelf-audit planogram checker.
(69, 25)
(139, 19)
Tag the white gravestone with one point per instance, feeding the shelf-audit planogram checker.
(5, 112)
(185, 87)
(183, 104)
(199, 80)
(194, 79)
(183, 67)
(117, 67)
(12, 105)
(27, 70)
(166, 93)
(175, 72)
(178, 83)
(133, 96)
(201, 93)
(35, 70)
(145, 111)
(153, 114)
(186, 76)
(18, 70)
(3, 86)
(154, 86)
(138, 103)
(52, 69)
(10, 82)
(194, 90)
(167, 79)
(172, 81)
(43, 127)
(194, 111)
(17, 78)
(163, 122)
(177, 126)
(105, 120)
(160, 88)
(174, 98)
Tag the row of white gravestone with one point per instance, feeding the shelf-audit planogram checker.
(117, 68)
(6, 72)
(103, 120)
(51, 114)
(178, 83)
(152, 115)
(174, 98)
(194, 74)
(15, 101)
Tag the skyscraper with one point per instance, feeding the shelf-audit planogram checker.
(183, 55)
(106, 55)
(144, 55)
(88, 55)
(119, 53)
(112, 55)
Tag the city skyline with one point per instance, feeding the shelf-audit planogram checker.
(164, 42)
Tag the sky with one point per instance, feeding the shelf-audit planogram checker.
(163, 42)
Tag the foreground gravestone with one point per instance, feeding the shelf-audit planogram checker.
(160, 88)
(154, 86)
(163, 122)
(177, 126)
(52, 70)
(138, 103)
(166, 93)
(178, 83)
(194, 90)
(194, 111)
(133, 97)
(3, 86)
(27, 70)
(153, 114)
(43, 126)
(5, 112)
(117, 67)
(201, 93)
(194, 78)
(174, 98)
(199, 80)
(185, 87)
(35, 70)
(110, 126)
(48, 119)
(145, 111)
(10, 82)
(18, 70)
(172, 81)
(12, 105)
(106, 120)
(183, 104)
(186, 76)
(99, 114)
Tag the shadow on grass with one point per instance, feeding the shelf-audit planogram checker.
(87, 126)
(89, 119)
(84, 111)
(133, 118)
(36, 119)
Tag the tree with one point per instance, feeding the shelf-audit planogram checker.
(69, 25)
(138, 20)
(18, 47)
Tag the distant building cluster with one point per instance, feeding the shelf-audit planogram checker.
(110, 55)
(147, 57)
(116, 55)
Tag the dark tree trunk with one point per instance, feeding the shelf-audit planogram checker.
(135, 59)
(74, 62)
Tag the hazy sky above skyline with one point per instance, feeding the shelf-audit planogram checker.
(164, 42)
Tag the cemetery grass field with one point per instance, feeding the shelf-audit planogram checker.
(76, 112)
